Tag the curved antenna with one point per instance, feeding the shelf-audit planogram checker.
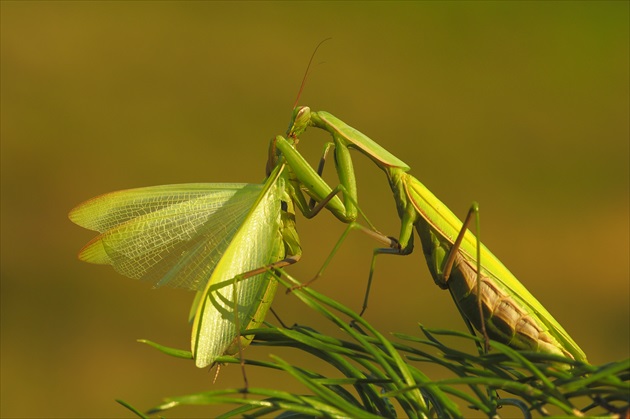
(308, 67)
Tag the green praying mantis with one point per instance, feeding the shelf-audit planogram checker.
(486, 293)
(221, 240)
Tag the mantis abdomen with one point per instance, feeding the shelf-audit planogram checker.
(505, 318)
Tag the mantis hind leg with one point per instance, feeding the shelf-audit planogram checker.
(448, 267)
(450, 261)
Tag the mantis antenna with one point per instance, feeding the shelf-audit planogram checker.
(306, 73)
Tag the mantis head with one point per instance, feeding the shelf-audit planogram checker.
(300, 120)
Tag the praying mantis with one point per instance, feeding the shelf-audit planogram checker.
(221, 240)
(486, 293)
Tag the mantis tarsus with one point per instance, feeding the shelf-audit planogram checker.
(487, 294)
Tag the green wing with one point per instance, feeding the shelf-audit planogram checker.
(257, 243)
(443, 221)
(169, 235)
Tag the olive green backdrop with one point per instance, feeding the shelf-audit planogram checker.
(520, 106)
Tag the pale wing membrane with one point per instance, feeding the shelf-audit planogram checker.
(105, 211)
(170, 235)
(257, 243)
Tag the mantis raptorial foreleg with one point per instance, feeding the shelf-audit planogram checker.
(327, 197)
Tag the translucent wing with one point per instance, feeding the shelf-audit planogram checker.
(257, 243)
(170, 235)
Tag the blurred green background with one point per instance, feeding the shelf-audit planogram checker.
(522, 106)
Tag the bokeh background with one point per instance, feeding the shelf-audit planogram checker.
(522, 106)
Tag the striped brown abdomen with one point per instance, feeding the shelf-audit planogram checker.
(506, 320)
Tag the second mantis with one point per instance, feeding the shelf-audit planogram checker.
(486, 293)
